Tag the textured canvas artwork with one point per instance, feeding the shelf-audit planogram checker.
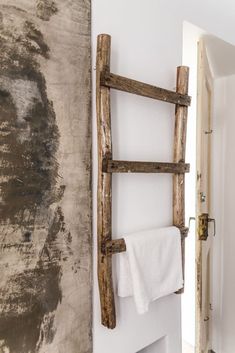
(45, 186)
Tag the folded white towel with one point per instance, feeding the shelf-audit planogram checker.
(151, 267)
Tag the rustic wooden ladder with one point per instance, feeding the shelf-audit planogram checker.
(106, 165)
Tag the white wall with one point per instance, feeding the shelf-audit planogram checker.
(224, 196)
(146, 45)
(160, 346)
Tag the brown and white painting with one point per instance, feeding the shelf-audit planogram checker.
(45, 187)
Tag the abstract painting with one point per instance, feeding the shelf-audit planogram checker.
(45, 183)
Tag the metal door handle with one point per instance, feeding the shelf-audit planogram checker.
(203, 221)
(191, 219)
(214, 223)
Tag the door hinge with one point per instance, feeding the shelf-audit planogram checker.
(208, 132)
(202, 197)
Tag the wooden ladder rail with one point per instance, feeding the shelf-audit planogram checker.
(106, 165)
(181, 115)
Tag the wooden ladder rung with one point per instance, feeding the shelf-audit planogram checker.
(116, 246)
(143, 89)
(112, 166)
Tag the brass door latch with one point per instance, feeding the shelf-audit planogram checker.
(203, 225)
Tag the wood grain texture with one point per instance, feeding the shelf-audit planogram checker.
(115, 246)
(181, 114)
(143, 89)
(45, 177)
(111, 166)
(104, 230)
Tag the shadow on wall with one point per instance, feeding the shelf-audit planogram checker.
(160, 346)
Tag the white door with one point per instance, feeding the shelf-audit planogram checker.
(204, 223)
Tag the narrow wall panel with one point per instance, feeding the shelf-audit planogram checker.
(45, 195)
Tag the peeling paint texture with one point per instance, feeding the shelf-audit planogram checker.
(45, 186)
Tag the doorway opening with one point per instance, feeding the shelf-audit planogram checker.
(207, 304)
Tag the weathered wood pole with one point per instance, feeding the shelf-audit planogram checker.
(104, 222)
(181, 114)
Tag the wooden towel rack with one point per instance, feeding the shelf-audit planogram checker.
(105, 80)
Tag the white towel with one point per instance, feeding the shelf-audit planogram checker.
(151, 267)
